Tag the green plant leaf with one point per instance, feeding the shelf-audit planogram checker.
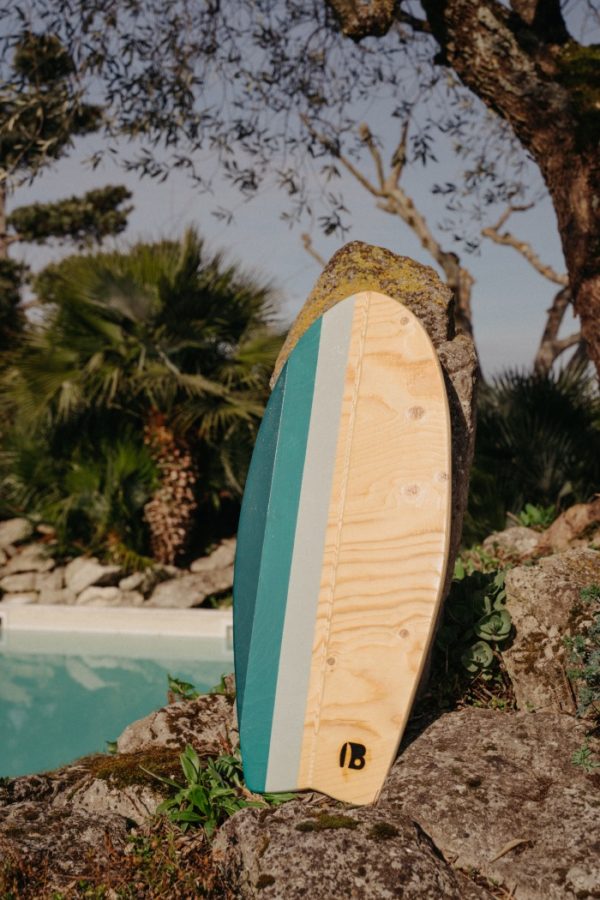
(494, 627)
(477, 657)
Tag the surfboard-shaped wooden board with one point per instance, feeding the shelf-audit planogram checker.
(341, 553)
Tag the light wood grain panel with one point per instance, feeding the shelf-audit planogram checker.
(385, 549)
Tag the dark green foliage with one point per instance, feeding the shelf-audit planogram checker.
(12, 319)
(579, 71)
(212, 792)
(42, 106)
(537, 517)
(538, 442)
(476, 622)
(92, 491)
(84, 219)
(162, 328)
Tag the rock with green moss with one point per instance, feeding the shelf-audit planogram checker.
(362, 267)
(547, 610)
(302, 850)
(207, 723)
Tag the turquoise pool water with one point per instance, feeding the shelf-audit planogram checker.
(65, 695)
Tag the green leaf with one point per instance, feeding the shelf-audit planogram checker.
(494, 627)
(477, 657)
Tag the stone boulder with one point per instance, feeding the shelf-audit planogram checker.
(498, 792)
(544, 601)
(191, 590)
(221, 558)
(362, 267)
(207, 723)
(495, 795)
(13, 531)
(84, 571)
(577, 526)
(516, 542)
(302, 850)
(31, 559)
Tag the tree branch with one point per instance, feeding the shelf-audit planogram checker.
(308, 246)
(508, 239)
(367, 138)
(356, 173)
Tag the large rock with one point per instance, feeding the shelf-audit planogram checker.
(24, 581)
(190, 590)
(221, 558)
(31, 559)
(544, 601)
(207, 723)
(50, 580)
(50, 596)
(362, 267)
(13, 531)
(301, 851)
(84, 571)
(498, 792)
(99, 596)
(578, 525)
(516, 542)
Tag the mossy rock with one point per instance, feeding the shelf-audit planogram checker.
(362, 267)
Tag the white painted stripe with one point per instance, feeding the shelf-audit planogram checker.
(305, 575)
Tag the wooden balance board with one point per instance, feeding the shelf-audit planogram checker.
(341, 552)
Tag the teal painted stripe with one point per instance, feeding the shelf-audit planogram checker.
(251, 533)
(269, 614)
(307, 563)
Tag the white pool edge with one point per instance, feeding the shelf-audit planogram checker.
(129, 620)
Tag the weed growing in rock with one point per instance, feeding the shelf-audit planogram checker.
(537, 517)
(476, 559)
(590, 594)
(584, 758)
(212, 792)
(181, 690)
(584, 657)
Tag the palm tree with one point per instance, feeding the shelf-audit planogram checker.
(164, 336)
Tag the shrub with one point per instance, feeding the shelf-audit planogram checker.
(538, 443)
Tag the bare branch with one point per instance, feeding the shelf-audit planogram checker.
(308, 246)
(551, 346)
(399, 157)
(564, 343)
(356, 173)
(508, 239)
(394, 200)
(367, 138)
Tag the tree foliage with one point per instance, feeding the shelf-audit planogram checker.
(538, 442)
(164, 329)
(83, 220)
(253, 83)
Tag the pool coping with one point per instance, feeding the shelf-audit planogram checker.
(122, 619)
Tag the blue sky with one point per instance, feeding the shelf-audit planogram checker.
(509, 297)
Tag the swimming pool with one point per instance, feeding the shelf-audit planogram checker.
(65, 693)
